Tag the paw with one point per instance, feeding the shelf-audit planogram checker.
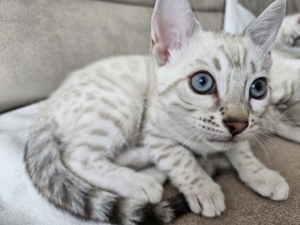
(143, 188)
(159, 176)
(267, 183)
(207, 199)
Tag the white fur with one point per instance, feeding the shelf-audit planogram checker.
(285, 72)
(126, 105)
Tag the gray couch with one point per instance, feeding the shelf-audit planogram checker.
(41, 41)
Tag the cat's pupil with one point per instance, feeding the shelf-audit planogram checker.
(202, 81)
(257, 86)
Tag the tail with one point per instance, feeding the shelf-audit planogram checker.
(69, 192)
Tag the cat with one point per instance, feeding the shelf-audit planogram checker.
(201, 93)
(285, 81)
(286, 57)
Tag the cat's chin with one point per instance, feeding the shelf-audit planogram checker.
(221, 145)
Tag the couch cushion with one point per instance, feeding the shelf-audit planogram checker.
(42, 41)
(199, 5)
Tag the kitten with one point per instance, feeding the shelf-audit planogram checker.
(283, 119)
(201, 92)
(285, 72)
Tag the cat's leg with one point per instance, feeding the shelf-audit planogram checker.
(202, 193)
(154, 172)
(136, 158)
(92, 165)
(262, 180)
(215, 164)
(139, 158)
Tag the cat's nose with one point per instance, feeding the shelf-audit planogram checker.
(235, 128)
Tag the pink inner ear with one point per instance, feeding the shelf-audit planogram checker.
(168, 35)
(172, 24)
(161, 54)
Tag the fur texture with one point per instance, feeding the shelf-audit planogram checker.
(285, 81)
(285, 73)
(116, 117)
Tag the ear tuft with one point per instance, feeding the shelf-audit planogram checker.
(173, 23)
(264, 29)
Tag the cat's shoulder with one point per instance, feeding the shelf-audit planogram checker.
(113, 66)
(121, 61)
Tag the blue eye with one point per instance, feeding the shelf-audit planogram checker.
(258, 88)
(202, 83)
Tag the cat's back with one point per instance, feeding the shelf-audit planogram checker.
(110, 86)
(136, 68)
(116, 75)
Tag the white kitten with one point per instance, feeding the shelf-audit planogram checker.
(202, 92)
(285, 72)
(282, 118)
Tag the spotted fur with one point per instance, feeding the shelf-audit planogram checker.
(109, 121)
(285, 73)
(282, 119)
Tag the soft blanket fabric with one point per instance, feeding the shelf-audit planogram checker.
(20, 203)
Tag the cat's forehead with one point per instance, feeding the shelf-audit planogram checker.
(234, 47)
(226, 53)
(226, 57)
(231, 40)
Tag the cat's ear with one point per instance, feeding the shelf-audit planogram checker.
(173, 23)
(263, 30)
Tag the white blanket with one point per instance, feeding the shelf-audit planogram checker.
(20, 203)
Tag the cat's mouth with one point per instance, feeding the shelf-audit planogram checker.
(222, 141)
(222, 144)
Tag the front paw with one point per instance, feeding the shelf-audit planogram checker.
(206, 198)
(143, 188)
(267, 183)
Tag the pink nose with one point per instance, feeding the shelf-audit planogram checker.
(236, 127)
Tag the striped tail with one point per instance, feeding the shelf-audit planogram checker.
(65, 190)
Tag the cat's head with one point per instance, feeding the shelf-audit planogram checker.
(213, 85)
(289, 33)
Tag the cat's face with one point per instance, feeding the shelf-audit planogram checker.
(213, 86)
(216, 86)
